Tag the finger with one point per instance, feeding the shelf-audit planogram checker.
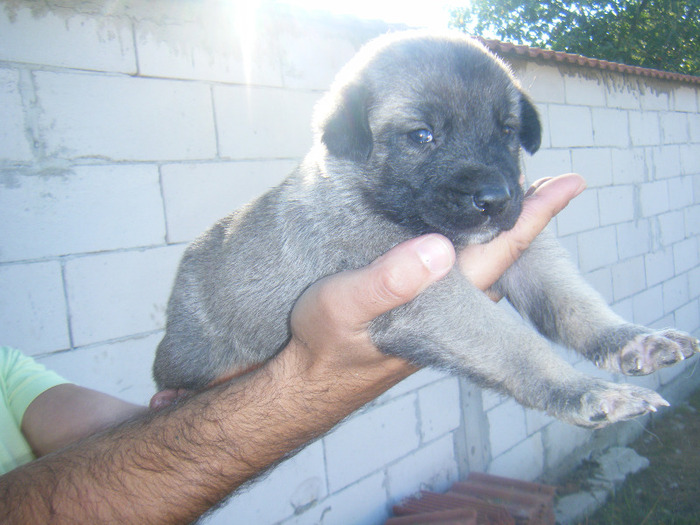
(483, 264)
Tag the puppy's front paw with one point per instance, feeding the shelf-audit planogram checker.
(647, 353)
(605, 403)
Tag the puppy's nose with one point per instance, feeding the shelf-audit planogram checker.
(492, 200)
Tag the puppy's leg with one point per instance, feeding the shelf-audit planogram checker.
(455, 327)
(548, 290)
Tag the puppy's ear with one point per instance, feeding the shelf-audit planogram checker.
(530, 127)
(345, 128)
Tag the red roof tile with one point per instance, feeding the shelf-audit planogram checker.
(505, 49)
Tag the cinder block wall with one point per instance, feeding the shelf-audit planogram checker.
(123, 134)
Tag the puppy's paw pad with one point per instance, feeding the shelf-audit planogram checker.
(647, 353)
(610, 403)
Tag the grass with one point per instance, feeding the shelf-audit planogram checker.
(668, 491)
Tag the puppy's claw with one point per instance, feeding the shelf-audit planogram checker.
(647, 353)
(608, 403)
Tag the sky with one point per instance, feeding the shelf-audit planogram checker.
(425, 13)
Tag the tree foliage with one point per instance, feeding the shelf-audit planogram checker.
(659, 34)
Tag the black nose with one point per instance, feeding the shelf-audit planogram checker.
(492, 200)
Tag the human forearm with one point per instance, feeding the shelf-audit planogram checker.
(171, 466)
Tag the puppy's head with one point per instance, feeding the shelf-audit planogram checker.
(432, 127)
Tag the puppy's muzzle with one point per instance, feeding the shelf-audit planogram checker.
(492, 200)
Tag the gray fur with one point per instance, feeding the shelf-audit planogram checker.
(372, 181)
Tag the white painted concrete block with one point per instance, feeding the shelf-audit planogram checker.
(535, 420)
(33, 308)
(597, 248)
(582, 91)
(311, 59)
(692, 220)
(362, 503)
(675, 293)
(197, 195)
(621, 95)
(506, 426)
(624, 308)
(219, 43)
(363, 444)
(559, 439)
(84, 209)
(671, 227)
(524, 461)
(684, 98)
(628, 277)
(543, 110)
(653, 198)
(654, 100)
(68, 39)
(601, 280)
(543, 84)
(594, 164)
(293, 486)
(122, 369)
(124, 118)
(666, 162)
(546, 163)
(119, 294)
(694, 127)
(611, 127)
(440, 410)
(686, 255)
(423, 377)
(570, 244)
(648, 306)
(694, 282)
(688, 317)
(260, 122)
(659, 266)
(633, 238)
(628, 166)
(571, 126)
(580, 215)
(433, 467)
(14, 145)
(616, 204)
(645, 129)
(680, 192)
(674, 127)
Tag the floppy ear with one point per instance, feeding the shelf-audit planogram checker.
(345, 129)
(530, 127)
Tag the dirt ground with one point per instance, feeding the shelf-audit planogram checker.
(668, 491)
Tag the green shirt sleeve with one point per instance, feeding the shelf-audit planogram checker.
(22, 379)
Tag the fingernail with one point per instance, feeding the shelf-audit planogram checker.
(436, 253)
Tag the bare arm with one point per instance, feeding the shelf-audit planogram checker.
(197, 452)
(66, 413)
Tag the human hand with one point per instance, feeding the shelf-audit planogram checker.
(330, 320)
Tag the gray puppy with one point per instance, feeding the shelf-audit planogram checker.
(418, 134)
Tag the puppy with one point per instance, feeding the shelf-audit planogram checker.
(418, 134)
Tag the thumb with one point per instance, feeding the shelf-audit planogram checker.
(352, 299)
(402, 273)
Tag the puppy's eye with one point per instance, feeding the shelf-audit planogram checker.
(508, 130)
(421, 136)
